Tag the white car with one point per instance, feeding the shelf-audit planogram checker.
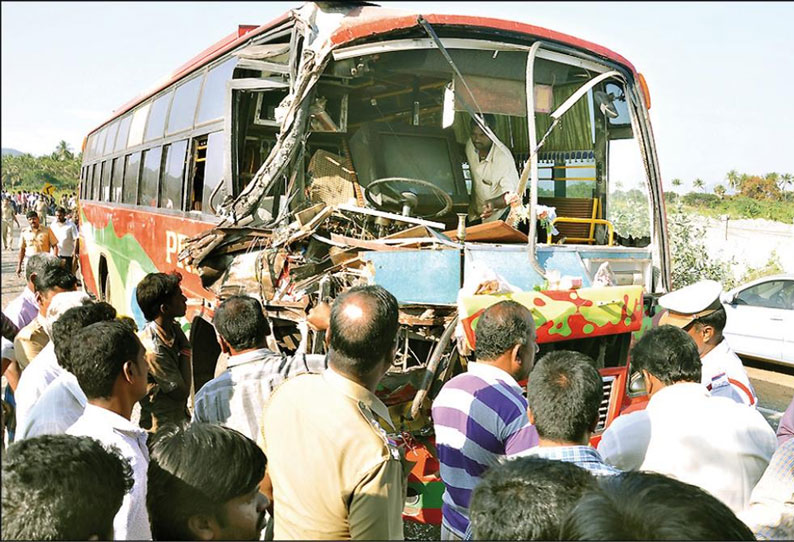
(761, 319)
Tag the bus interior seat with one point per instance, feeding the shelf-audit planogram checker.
(581, 208)
(331, 181)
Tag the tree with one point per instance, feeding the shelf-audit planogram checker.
(63, 152)
(785, 181)
(733, 179)
(720, 191)
(676, 182)
(698, 183)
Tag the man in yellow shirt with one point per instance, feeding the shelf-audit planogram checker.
(35, 239)
(335, 472)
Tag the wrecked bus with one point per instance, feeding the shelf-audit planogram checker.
(323, 150)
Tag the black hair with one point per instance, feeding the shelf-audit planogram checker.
(60, 210)
(360, 342)
(184, 478)
(488, 118)
(716, 319)
(241, 322)
(40, 263)
(31, 214)
(62, 487)
(564, 392)
(104, 349)
(649, 506)
(65, 328)
(129, 322)
(55, 277)
(501, 327)
(526, 498)
(154, 290)
(669, 354)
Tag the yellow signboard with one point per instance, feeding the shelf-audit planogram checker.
(48, 189)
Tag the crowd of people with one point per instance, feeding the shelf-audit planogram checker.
(301, 447)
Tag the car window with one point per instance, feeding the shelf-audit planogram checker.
(776, 294)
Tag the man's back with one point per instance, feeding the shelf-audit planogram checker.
(58, 408)
(334, 473)
(41, 371)
(236, 397)
(132, 520)
(711, 442)
(480, 417)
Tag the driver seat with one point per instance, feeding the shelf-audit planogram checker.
(332, 182)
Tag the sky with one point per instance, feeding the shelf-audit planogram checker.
(720, 74)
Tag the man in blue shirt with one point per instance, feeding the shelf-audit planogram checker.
(564, 393)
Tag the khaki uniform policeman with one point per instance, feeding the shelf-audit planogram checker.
(335, 473)
(9, 218)
(723, 372)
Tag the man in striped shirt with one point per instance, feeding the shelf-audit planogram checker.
(480, 417)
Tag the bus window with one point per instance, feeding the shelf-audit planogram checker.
(183, 110)
(104, 187)
(132, 168)
(124, 132)
(213, 172)
(149, 177)
(89, 147)
(138, 124)
(207, 160)
(173, 174)
(156, 124)
(629, 202)
(89, 182)
(214, 93)
(95, 182)
(100, 142)
(111, 138)
(116, 179)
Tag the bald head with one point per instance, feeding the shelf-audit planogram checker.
(501, 327)
(363, 329)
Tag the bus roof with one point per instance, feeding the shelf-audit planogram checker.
(365, 21)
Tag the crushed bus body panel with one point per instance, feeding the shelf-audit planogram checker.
(332, 148)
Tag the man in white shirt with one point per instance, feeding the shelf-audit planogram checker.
(697, 310)
(236, 397)
(44, 368)
(57, 400)
(494, 174)
(66, 233)
(111, 368)
(712, 442)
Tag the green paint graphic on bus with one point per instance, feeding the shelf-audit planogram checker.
(121, 250)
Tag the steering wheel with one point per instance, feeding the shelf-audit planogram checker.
(406, 198)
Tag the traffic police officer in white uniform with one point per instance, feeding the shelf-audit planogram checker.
(698, 311)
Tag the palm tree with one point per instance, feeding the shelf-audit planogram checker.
(786, 181)
(720, 191)
(63, 151)
(698, 183)
(733, 179)
(676, 183)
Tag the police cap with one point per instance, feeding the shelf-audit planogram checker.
(691, 302)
